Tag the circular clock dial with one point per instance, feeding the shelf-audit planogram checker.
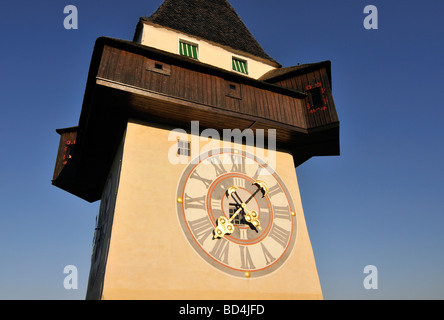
(236, 213)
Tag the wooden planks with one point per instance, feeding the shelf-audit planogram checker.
(300, 82)
(130, 68)
(66, 149)
(128, 80)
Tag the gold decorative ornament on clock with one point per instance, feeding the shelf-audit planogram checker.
(236, 212)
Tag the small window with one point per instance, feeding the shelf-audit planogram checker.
(316, 98)
(188, 49)
(240, 65)
(158, 67)
(183, 148)
(233, 90)
(68, 151)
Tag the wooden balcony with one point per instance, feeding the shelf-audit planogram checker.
(128, 80)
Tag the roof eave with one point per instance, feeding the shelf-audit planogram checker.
(288, 72)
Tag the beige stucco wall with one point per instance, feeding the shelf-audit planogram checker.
(149, 256)
(168, 40)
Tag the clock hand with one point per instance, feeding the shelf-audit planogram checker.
(251, 216)
(232, 192)
(225, 226)
(262, 186)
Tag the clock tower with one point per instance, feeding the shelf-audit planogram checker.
(189, 135)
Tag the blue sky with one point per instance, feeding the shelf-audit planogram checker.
(379, 203)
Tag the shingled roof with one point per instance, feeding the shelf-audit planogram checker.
(284, 73)
(213, 20)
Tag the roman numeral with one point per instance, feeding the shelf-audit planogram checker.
(220, 250)
(216, 206)
(243, 234)
(281, 212)
(246, 261)
(268, 257)
(264, 212)
(239, 182)
(274, 190)
(238, 163)
(197, 203)
(206, 182)
(259, 171)
(280, 235)
(201, 228)
(218, 166)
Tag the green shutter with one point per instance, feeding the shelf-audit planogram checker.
(240, 66)
(244, 67)
(188, 50)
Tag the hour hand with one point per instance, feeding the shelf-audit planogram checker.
(231, 192)
(262, 187)
(224, 226)
(252, 219)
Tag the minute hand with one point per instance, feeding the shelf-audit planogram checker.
(243, 205)
(261, 186)
(251, 216)
(252, 196)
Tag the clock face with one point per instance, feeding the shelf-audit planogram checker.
(236, 213)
